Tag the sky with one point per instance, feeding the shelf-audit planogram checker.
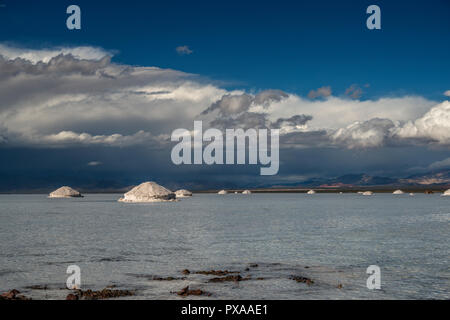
(95, 107)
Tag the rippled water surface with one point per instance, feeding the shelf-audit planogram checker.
(269, 238)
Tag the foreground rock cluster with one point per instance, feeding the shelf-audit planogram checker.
(13, 295)
(98, 295)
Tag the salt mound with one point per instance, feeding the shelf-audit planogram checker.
(148, 192)
(398, 192)
(311, 192)
(183, 193)
(222, 192)
(411, 194)
(65, 192)
(446, 193)
(367, 193)
(246, 192)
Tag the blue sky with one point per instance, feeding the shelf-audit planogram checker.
(85, 107)
(290, 45)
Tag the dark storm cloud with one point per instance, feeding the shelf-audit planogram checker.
(297, 120)
(233, 104)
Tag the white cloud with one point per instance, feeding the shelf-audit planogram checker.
(372, 133)
(69, 138)
(434, 125)
(447, 93)
(45, 55)
(335, 113)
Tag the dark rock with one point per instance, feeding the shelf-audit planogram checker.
(156, 278)
(185, 272)
(13, 295)
(216, 272)
(72, 296)
(103, 294)
(197, 292)
(235, 278)
(302, 280)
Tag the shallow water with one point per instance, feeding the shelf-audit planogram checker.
(329, 238)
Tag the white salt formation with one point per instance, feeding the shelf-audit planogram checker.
(65, 192)
(411, 194)
(398, 192)
(367, 193)
(246, 192)
(183, 193)
(148, 192)
(222, 192)
(446, 193)
(311, 192)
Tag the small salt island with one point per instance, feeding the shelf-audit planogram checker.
(183, 193)
(446, 193)
(222, 192)
(398, 192)
(311, 192)
(65, 192)
(148, 192)
(246, 192)
(367, 193)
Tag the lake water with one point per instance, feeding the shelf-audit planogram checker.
(329, 238)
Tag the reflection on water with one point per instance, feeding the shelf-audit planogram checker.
(267, 238)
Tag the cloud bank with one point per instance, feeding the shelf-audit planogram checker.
(67, 97)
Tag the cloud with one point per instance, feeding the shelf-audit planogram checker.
(45, 55)
(354, 91)
(367, 134)
(320, 92)
(447, 93)
(433, 127)
(94, 163)
(335, 112)
(68, 97)
(294, 121)
(184, 50)
(231, 104)
(69, 101)
(443, 164)
(232, 110)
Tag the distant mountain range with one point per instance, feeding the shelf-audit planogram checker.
(425, 180)
(436, 180)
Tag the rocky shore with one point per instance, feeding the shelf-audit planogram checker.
(190, 283)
